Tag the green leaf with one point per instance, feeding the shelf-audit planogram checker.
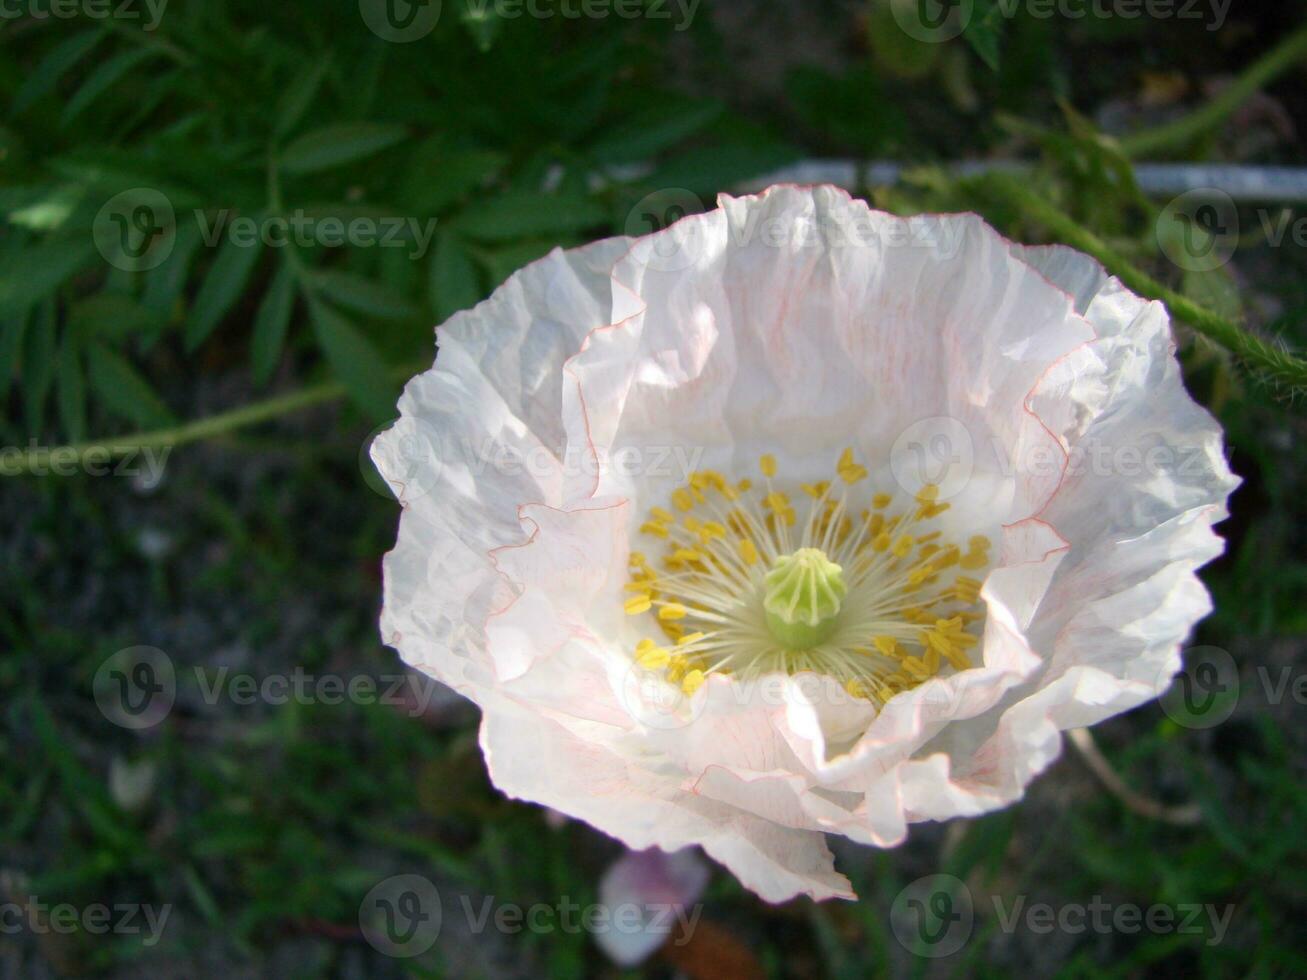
(298, 97)
(454, 282)
(112, 316)
(222, 286)
(271, 323)
(982, 33)
(165, 282)
(524, 214)
(12, 329)
(102, 79)
(655, 129)
(362, 295)
(124, 391)
(354, 360)
(71, 391)
(31, 272)
(335, 145)
(38, 366)
(55, 65)
(437, 179)
(704, 170)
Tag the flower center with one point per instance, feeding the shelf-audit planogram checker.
(861, 591)
(803, 596)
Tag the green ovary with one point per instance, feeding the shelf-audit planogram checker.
(804, 591)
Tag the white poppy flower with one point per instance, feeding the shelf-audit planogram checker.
(798, 518)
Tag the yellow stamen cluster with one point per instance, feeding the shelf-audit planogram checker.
(909, 610)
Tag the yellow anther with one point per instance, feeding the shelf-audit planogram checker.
(920, 574)
(745, 485)
(693, 681)
(642, 585)
(690, 638)
(973, 560)
(748, 551)
(652, 657)
(887, 645)
(881, 542)
(848, 469)
(711, 529)
(767, 463)
(659, 514)
(816, 490)
(855, 688)
(881, 501)
(692, 523)
(681, 499)
(903, 546)
(672, 610)
(654, 528)
(927, 494)
(915, 668)
(638, 604)
(687, 554)
(979, 543)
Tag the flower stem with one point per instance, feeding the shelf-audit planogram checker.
(1275, 365)
(1183, 131)
(34, 459)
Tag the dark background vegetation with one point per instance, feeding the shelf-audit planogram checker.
(259, 549)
